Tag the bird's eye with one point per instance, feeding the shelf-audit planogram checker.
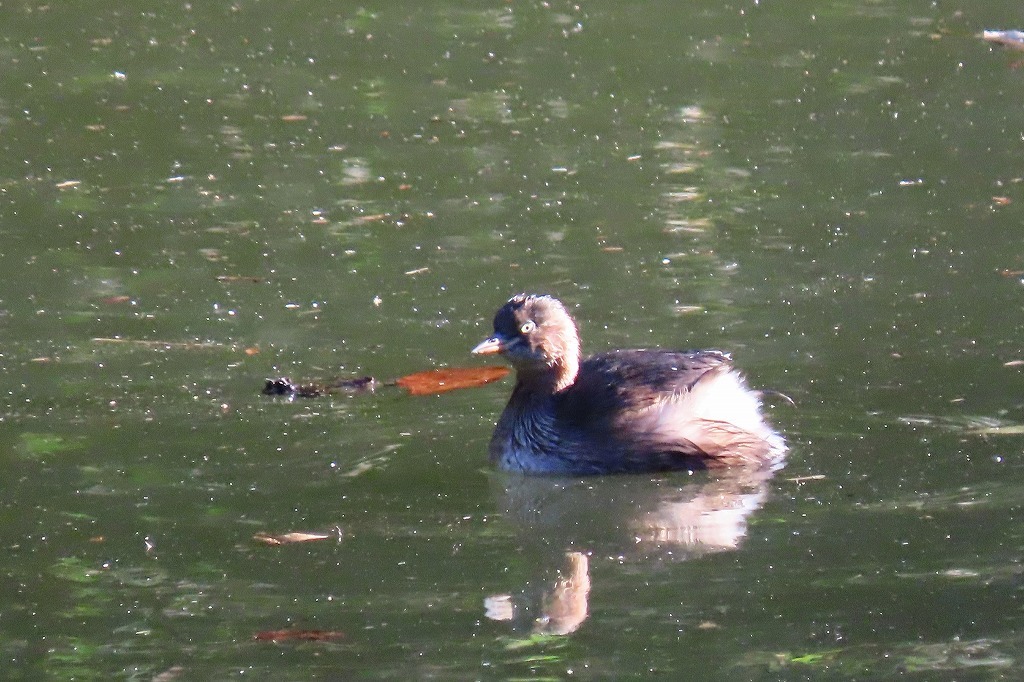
(528, 327)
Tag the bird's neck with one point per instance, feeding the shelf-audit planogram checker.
(529, 419)
(547, 379)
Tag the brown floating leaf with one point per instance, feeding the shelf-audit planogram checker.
(289, 538)
(450, 379)
(305, 635)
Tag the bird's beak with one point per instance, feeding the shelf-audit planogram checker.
(490, 346)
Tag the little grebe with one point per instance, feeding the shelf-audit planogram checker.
(620, 411)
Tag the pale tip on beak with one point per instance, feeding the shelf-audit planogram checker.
(489, 346)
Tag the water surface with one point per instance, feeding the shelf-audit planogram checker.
(195, 198)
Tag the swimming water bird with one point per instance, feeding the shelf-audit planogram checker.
(619, 411)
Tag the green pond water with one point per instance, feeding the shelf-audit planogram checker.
(196, 197)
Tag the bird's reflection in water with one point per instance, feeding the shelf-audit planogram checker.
(565, 522)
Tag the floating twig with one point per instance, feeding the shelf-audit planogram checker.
(1011, 39)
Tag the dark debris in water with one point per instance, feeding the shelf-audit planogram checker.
(315, 389)
(429, 382)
